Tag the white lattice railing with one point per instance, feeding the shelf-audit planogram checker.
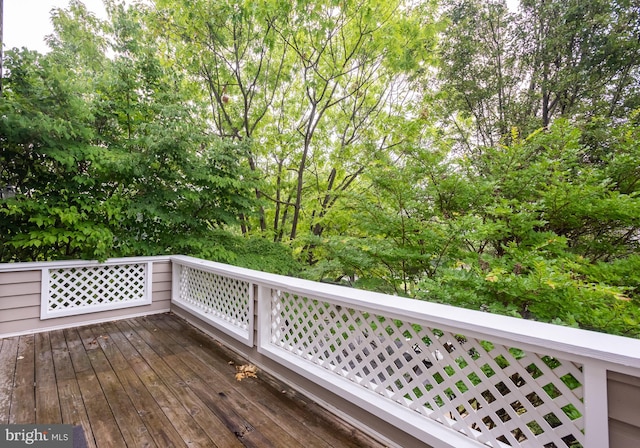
(91, 287)
(493, 393)
(223, 301)
(448, 376)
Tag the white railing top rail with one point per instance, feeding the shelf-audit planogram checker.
(39, 265)
(621, 353)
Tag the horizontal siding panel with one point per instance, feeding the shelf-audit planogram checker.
(161, 286)
(622, 435)
(161, 296)
(19, 326)
(19, 277)
(624, 398)
(19, 301)
(22, 313)
(161, 277)
(19, 289)
(164, 266)
(623, 378)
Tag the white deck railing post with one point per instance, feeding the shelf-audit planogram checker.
(44, 292)
(176, 270)
(148, 287)
(263, 316)
(596, 405)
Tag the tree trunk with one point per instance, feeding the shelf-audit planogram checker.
(300, 180)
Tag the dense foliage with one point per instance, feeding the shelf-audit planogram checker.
(458, 152)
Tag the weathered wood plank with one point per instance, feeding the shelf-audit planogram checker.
(295, 415)
(8, 355)
(47, 403)
(154, 419)
(48, 406)
(23, 401)
(45, 372)
(131, 426)
(72, 408)
(250, 424)
(61, 359)
(216, 431)
(105, 430)
(155, 381)
(79, 358)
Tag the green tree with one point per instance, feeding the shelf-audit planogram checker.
(481, 71)
(583, 57)
(233, 51)
(560, 58)
(316, 87)
(61, 209)
(115, 160)
(527, 229)
(179, 181)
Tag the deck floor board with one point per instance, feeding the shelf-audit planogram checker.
(23, 401)
(8, 355)
(156, 381)
(308, 432)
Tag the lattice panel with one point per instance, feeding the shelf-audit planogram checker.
(491, 393)
(223, 297)
(72, 290)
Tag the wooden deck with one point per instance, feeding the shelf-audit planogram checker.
(156, 381)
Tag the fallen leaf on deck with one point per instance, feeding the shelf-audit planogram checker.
(246, 371)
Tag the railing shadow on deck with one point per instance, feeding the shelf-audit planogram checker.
(444, 376)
